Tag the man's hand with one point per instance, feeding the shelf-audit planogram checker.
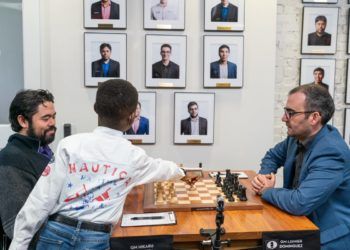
(190, 180)
(262, 182)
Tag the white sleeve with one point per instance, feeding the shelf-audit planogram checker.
(40, 203)
(149, 169)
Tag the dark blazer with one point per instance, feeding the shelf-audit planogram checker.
(323, 193)
(98, 72)
(232, 13)
(143, 128)
(96, 12)
(186, 126)
(215, 70)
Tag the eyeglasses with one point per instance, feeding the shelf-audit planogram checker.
(289, 113)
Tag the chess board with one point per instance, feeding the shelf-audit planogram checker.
(202, 197)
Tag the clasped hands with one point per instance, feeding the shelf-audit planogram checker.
(262, 182)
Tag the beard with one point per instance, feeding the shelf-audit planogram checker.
(44, 139)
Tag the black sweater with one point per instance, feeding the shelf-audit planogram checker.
(20, 168)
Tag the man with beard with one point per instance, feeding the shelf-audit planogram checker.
(320, 37)
(316, 167)
(193, 125)
(105, 67)
(32, 116)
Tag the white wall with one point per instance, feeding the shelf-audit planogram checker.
(243, 117)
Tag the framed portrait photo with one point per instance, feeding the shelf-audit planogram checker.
(164, 14)
(320, 1)
(194, 118)
(104, 14)
(223, 61)
(143, 129)
(318, 71)
(347, 126)
(347, 96)
(224, 15)
(319, 30)
(166, 61)
(105, 57)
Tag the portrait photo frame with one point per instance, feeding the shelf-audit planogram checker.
(159, 17)
(93, 67)
(347, 126)
(166, 61)
(227, 49)
(143, 131)
(312, 70)
(317, 20)
(320, 1)
(347, 95)
(95, 17)
(200, 103)
(216, 20)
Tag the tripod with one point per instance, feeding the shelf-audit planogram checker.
(215, 234)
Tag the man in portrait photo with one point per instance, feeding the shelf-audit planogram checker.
(320, 37)
(105, 67)
(318, 77)
(140, 126)
(193, 125)
(165, 68)
(224, 12)
(105, 9)
(223, 68)
(162, 11)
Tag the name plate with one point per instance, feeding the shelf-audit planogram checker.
(105, 26)
(193, 141)
(224, 27)
(303, 240)
(136, 141)
(162, 242)
(318, 51)
(223, 85)
(166, 84)
(164, 26)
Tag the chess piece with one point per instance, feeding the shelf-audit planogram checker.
(159, 193)
(200, 165)
(243, 195)
(218, 180)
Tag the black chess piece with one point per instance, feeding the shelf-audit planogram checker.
(200, 165)
(218, 180)
(242, 193)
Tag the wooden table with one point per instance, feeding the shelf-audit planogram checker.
(244, 227)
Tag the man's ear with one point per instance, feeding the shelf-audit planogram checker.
(315, 118)
(23, 122)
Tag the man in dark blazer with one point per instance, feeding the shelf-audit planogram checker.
(105, 67)
(194, 125)
(105, 9)
(223, 68)
(224, 12)
(316, 161)
(140, 126)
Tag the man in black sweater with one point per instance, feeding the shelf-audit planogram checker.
(24, 158)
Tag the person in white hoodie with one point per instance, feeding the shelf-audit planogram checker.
(83, 193)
